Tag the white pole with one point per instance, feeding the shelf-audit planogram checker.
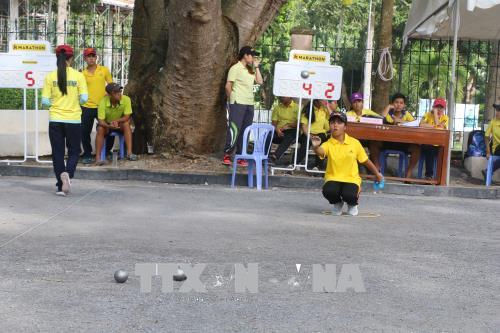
(451, 97)
(62, 21)
(13, 20)
(368, 62)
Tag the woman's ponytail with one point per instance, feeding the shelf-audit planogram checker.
(61, 72)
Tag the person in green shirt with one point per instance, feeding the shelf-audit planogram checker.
(113, 114)
(239, 91)
(284, 120)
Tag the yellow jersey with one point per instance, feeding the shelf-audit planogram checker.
(407, 117)
(96, 84)
(428, 118)
(494, 130)
(284, 115)
(364, 113)
(65, 108)
(321, 123)
(243, 81)
(343, 159)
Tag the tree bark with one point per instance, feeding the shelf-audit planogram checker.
(181, 52)
(493, 87)
(384, 40)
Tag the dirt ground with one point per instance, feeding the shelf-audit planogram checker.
(213, 164)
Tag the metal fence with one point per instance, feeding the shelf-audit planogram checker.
(422, 68)
(421, 72)
(112, 40)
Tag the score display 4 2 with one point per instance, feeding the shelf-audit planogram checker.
(305, 80)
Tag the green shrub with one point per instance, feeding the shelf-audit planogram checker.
(12, 99)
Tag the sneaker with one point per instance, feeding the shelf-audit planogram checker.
(242, 163)
(60, 193)
(66, 182)
(87, 160)
(226, 160)
(337, 208)
(132, 157)
(352, 210)
(100, 163)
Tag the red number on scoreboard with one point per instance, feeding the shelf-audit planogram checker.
(307, 87)
(31, 81)
(328, 92)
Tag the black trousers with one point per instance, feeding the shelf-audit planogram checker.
(429, 152)
(89, 115)
(240, 117)
(289, 136)
(62, 136)
(336, 192)
(301, 154)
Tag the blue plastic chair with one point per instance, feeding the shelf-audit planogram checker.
(421, 163)
(403, 161)
(260, 154)
(122, 145)
(492, 166)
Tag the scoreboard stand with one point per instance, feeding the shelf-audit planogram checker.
(307, 75)
(25, 67)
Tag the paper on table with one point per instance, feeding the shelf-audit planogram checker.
(414, 123)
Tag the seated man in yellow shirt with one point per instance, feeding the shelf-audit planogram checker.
(284, 120)
(113, 114)
(395, 114)
(436, 118)
(344, 154)
(319, 128)
(358, 110)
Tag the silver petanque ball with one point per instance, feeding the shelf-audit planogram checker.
(180, 275)
(121, 276)
(304, 74)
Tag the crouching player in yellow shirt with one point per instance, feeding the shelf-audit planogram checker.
(344, 153)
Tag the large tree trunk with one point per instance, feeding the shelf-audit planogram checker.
(383, 88)
(493, 88)
(181, 52)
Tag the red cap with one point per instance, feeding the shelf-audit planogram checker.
(439, 102)
(64, 49)
(88, 51)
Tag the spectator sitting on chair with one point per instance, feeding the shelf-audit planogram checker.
(319, 128)
(284, 120)
(395, 114)
(113, 115)
(493, 134)
(358, 110)
(492, 137)
(436, 118)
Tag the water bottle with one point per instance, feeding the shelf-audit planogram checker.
(115, 159)
(377, 186)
